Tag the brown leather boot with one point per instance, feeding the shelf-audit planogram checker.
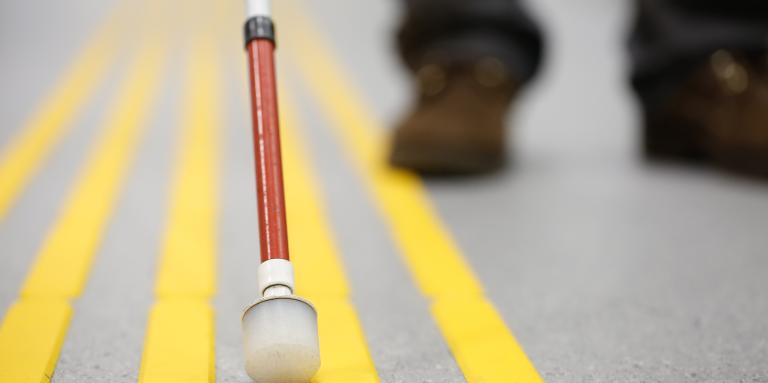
(739, 124)
(457, 126)
(720, 115)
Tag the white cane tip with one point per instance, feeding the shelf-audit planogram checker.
(281, 342)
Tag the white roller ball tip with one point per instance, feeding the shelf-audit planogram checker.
(281, 341)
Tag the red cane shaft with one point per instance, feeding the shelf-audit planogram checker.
(273, 230)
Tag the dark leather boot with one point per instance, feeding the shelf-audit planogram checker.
(457, 126)
(720, 115)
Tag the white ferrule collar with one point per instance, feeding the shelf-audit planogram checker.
(275, 272)
(258, 8)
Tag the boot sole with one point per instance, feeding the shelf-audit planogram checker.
(431, 161)
(673, 143)
(745, 162)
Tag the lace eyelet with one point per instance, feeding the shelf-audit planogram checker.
(432, 79)
(731, 74)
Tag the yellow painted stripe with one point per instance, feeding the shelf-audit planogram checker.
(33, 331)
(180, 331)
(481, 343)
(188, 264)
(179, 345)
(30, 340)
(486, 351)
(313, 251)
(344, 353)
(65, 259)
(320, 276)
(54, 118)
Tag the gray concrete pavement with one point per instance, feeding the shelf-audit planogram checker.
(38, 40)
(113, 310)
(606, 268)
(28, 221)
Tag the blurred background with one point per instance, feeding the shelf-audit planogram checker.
(605, 267)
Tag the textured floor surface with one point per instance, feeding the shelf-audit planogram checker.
(605, 268)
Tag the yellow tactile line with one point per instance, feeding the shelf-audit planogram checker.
(484, 348)
(53, 119)
(320, 275)
(179, 345)
(35, 326)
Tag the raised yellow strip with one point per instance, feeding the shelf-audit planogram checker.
(180, 338)
(486, 351)
(26, 151)
(33, 331)
(67, 253)
(30, 340)
(313, 252)
(319, 273)
(481, 343)
(188, 264)
(179, 346)
(343, 350)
